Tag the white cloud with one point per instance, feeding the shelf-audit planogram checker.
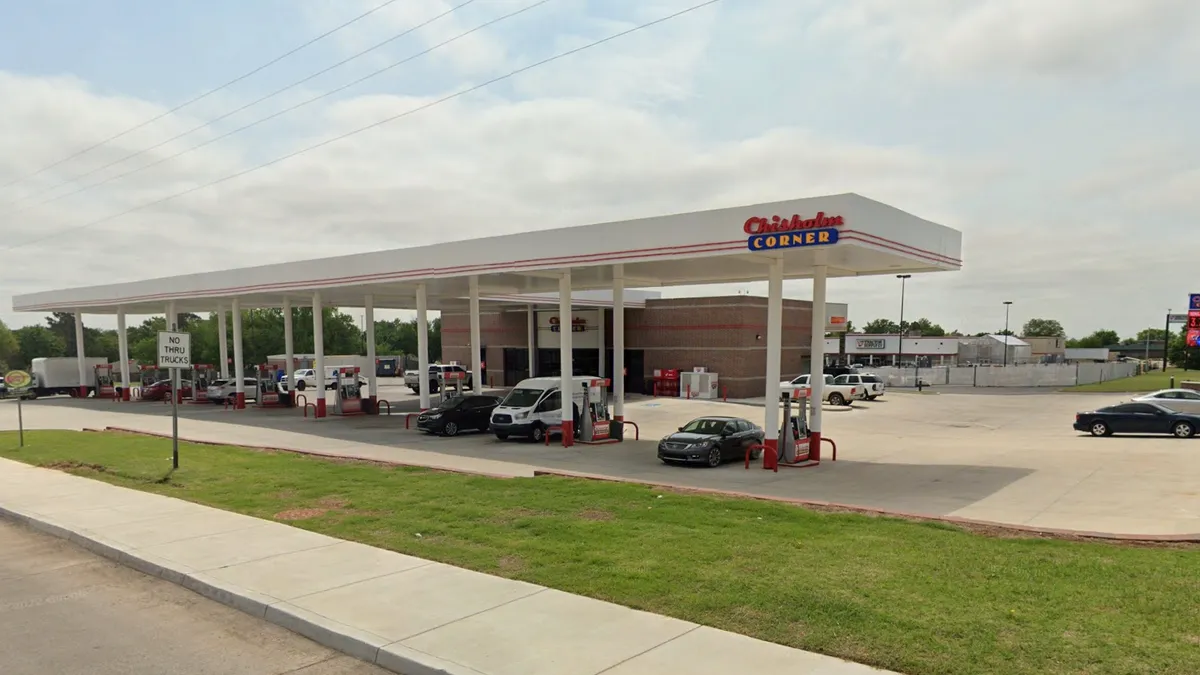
(1062, 38)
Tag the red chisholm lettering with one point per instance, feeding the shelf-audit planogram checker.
(758, 225)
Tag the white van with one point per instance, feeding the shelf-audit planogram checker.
(535, 405)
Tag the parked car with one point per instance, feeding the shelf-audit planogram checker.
(162, 390)
(1179, 400)
(413, 380)
(710, 441)
(459, 413)
(1137, 417)
(869, 387)
(834, 394)
(223, 389)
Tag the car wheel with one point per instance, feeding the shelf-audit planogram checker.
(837, 399)
(1183, 430)
(872, 398)
(451, 429)
(503, 437)
(538, 434)
(301, 385)
(1100, 429)
(714, 457)
(756, 454)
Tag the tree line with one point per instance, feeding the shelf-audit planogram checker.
(262, 336)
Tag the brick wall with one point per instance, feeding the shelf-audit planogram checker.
(497, 330)
(726, 335)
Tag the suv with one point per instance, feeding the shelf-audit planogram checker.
(413, 380)
(871, 386)
(834, 392)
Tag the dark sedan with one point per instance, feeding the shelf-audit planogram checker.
(710, 441)
(459, 413)
(1137, 418)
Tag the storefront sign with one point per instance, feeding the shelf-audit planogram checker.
(758, 225)
(578, 324)
(871, 343)
(1193, 320)
(766, 242)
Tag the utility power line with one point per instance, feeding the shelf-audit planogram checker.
(238, 110)
(205, 95)
(373, 125)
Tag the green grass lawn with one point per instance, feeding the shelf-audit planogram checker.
(919, 598)
(1151, 381)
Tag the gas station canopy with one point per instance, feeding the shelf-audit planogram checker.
(849, 234)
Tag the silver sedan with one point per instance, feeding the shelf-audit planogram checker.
(1179, 400)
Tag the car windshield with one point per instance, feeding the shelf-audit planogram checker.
(451, 403)
(705, 426)
(521, 398)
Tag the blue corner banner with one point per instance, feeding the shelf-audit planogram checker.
(1194, 302)
(776, 240)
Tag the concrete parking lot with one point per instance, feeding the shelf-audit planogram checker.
(1011, 459)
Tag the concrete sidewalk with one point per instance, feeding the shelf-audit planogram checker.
(406, 614)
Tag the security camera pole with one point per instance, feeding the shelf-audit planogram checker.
(175, 354)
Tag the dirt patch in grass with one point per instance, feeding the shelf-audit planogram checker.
(74, 466)
(511, 563)
(510, 516)
(300, 514)
(333, 502)
(596, 515)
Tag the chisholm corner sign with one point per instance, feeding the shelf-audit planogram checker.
(776, 232)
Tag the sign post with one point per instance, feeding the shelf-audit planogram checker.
(19, 381)
(175, 354)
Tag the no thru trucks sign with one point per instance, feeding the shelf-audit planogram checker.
(174, 350)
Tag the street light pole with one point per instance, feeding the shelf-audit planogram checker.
(1166, 339)
(1007, 305)
(900, 349)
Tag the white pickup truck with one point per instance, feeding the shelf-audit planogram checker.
(412, 378)
(833, 394)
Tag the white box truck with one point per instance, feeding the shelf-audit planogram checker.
(60, 375)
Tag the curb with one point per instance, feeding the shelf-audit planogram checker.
(308, 453)
(325, 632)
(866, 510)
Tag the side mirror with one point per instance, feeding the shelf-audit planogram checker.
(680, 428)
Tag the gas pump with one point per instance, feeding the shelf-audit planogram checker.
(347, 399)
(267, 384)
(105, 387)
(147, 375)
(450, 384)
(793, 447)
(203, 375)
(596, 423)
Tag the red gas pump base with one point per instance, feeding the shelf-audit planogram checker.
(319, 407)
(770, 453)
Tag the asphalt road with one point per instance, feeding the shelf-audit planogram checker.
(66, 611)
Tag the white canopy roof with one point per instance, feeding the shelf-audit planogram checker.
(684, 249)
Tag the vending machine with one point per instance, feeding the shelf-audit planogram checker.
(267, 386)
(105, 385)
(347, 399)
(596, 424)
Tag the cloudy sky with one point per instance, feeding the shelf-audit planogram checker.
(1059, 135)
